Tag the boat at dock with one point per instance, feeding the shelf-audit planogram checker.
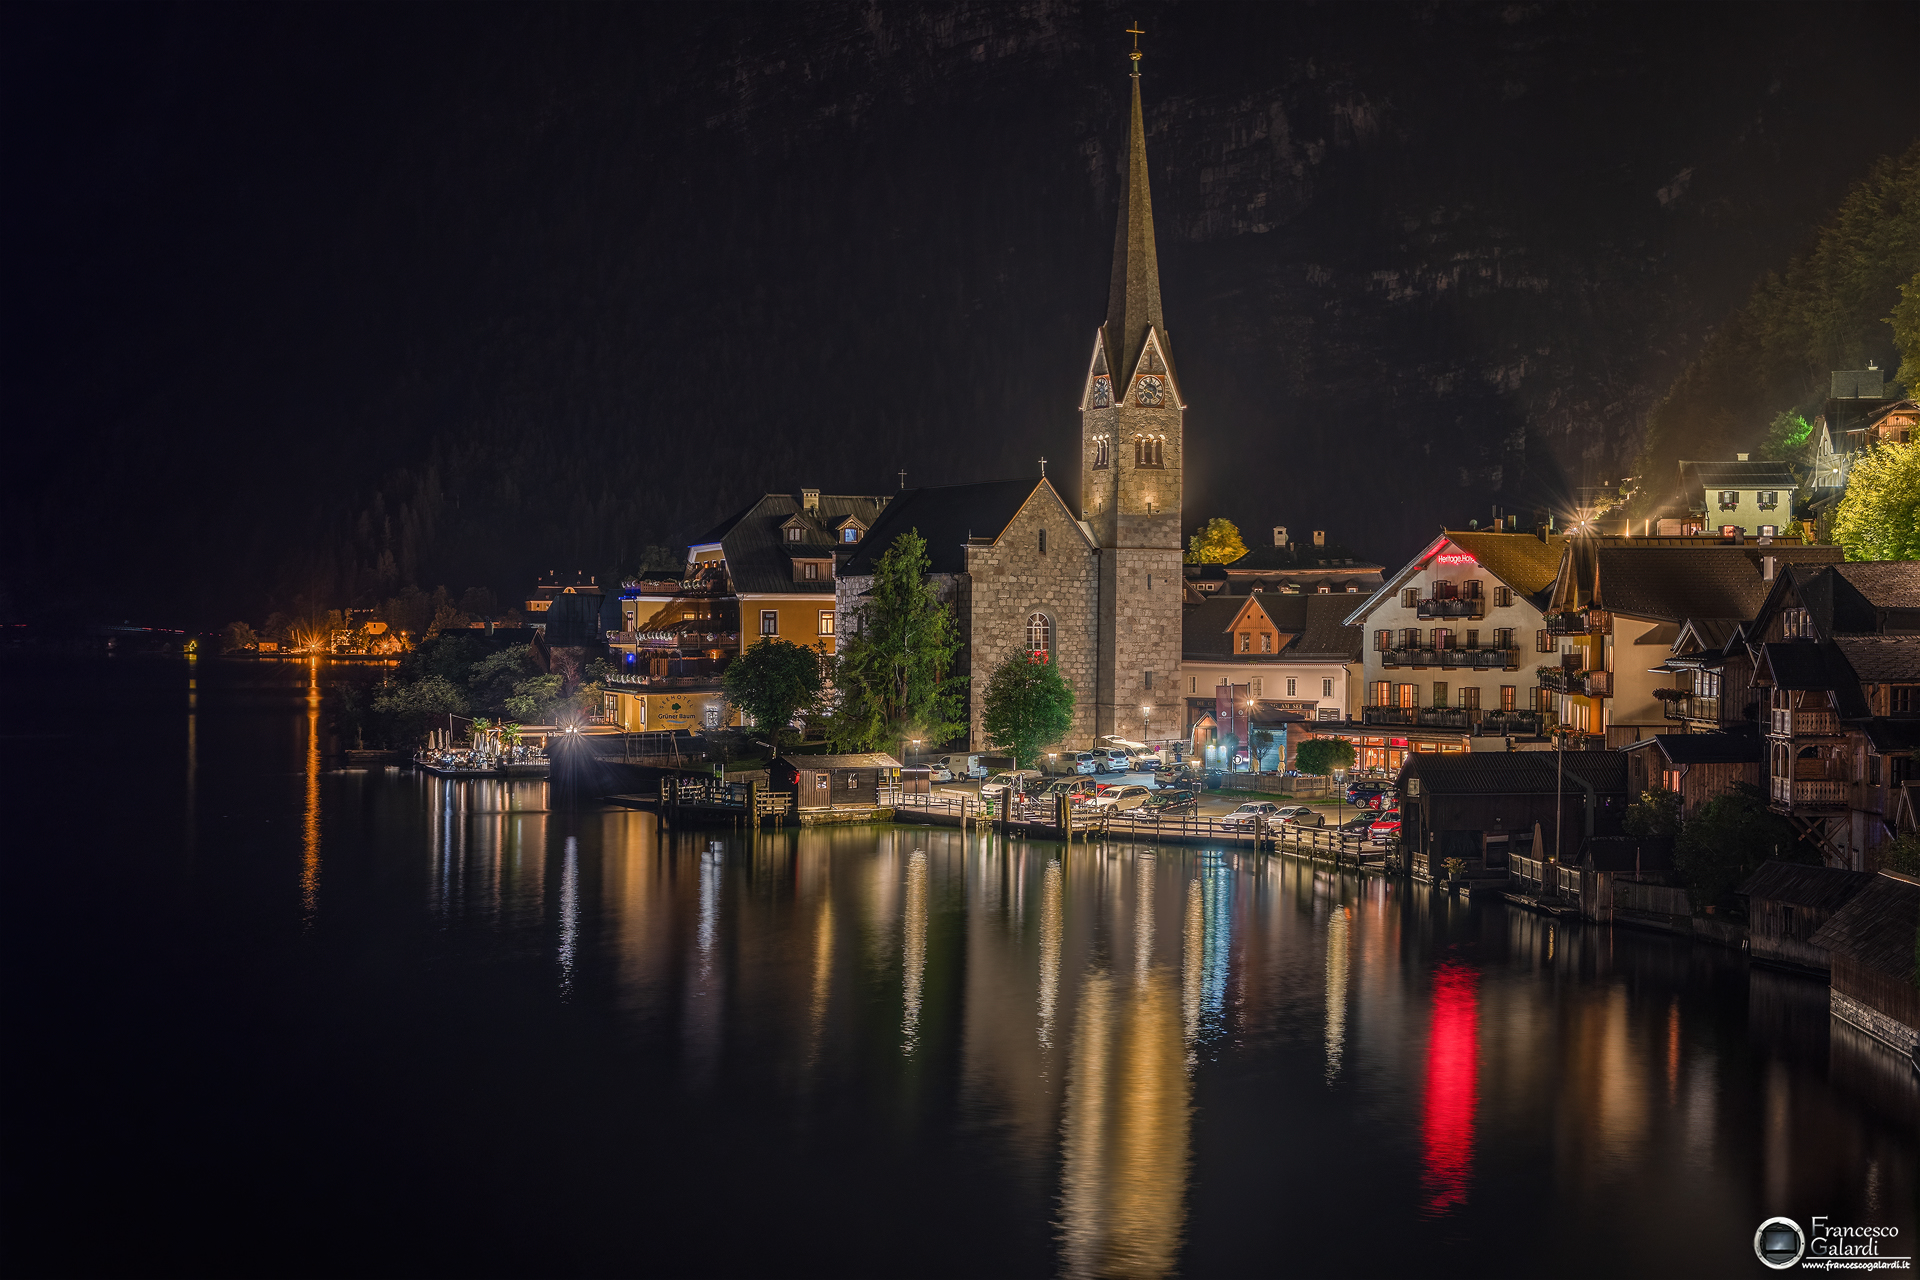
(521, 762)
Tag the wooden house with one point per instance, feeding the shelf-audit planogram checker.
(1486, 807)
(1695, 766)
(1787, 903)
(1871, 941)
(822, 782)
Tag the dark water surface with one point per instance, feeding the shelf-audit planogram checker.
(267, 1017)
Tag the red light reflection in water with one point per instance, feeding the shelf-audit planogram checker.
(1453, 1088)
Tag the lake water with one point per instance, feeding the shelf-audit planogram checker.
(268, 1017)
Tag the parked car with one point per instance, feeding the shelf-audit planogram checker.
(1015, 780)
(1251, 812)
(1117, 760)
(1365, 794)
(1358, 828)
(1142, 761)
(1087, 762)
(965, 766)
(1173, 800)
(1385, 827)
(1079, 790)
(1299, 815)
(1115, 798)
(937, 772)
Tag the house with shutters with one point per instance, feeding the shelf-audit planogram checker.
(1753, 498)
(1284, 653)
(1448, 645)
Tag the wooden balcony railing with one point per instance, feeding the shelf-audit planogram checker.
(1479, 659)
(1797, 794)
(1587, 622)
(1457, 608)
(1790, 723)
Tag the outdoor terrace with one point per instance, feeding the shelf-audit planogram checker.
(1479, 658)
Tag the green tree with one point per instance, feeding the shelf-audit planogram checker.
(1879, 515)
(238, 636)
(1789, 438)
(536, 700)
(893, 679)
(491, 680)
(1028, 704)
(1727, 838)
(1902, 854)
(773, 682)
(1655, 813)
(1323, 757)
(415, 706)
(1218, 542)
(1906, 334)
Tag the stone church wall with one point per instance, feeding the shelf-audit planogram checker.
(1012, 579)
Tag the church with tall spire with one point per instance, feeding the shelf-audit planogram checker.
(1096, 590)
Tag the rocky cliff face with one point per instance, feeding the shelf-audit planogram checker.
(553, 284)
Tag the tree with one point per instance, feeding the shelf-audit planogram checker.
(1322, 757)
(1218, 542)
(416, 706)
(1906, 334)
(1902, 854)
(238, 636)
(1262, 739)
(1655, 813)
(1027, 705)
(1788, 438)
(893, 678)
(1879, 516)
(773, 682)
(1727, 838)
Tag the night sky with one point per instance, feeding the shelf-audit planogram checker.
(324, 299)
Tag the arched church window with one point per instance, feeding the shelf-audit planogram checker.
(1101, 459)
(1039, 636)
(1148, 452)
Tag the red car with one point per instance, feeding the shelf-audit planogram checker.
(1385, 827)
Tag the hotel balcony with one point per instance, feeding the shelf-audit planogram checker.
(1689, 706)
(1454, 608)
(1808, 795)
(1587, 622)
(1518, 724)
(1477, 659)
(1789, 723)
(1585, 684)
(1464, 719)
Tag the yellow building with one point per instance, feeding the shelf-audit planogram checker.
(654, 708)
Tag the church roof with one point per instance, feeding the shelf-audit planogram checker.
(1133, 299)
(947, 516)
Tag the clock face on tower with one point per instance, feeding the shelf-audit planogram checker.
(1102, 391)
(1149, 390)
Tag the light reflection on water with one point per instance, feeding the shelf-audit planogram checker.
(1139, 1061)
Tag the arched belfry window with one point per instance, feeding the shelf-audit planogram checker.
(1040, 636)
(1101, 458)
(1149, 451)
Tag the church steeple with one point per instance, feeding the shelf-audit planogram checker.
(1133, 299)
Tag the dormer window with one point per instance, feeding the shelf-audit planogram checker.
(850, 534)
(793, 533)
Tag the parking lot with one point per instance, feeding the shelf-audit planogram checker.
(1211, 804)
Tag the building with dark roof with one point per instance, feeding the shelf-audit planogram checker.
(1788, 902)
(1755, 498)
(1694, 766)
(1277, 652)
(1486, 807)
(1313, 565)
(1870, 941)
(1836, 680)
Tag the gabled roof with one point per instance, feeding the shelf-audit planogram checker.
(1520, 561)
(1820, 888)
(1702, 748)
(1206, 629)
(1737, 475)
(1857, 384)
(1516, 772)
(760, 560)
(1876, 928)
(863, 760)
(1301, 557)
(1884, 584)
(1705, 636)
(946, 516)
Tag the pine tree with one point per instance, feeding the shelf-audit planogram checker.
(893, 677)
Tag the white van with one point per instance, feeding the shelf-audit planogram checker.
(964, 766)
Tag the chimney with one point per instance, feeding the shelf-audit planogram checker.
(1766, 566)
(1319, 537)
(1279, 530)
(1739, 457)
(810, 500)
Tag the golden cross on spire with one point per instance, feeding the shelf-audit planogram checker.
(1136, 33)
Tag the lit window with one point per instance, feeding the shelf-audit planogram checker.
(850, 534)
(1266, 643)
(1508, 695)
(826, 622)
(769, 622)
(1246, 642)
(793, 533)
(1039, 636)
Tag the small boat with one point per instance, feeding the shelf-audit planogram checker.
(456, 764)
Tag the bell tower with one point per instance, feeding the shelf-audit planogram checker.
(1132, 446)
